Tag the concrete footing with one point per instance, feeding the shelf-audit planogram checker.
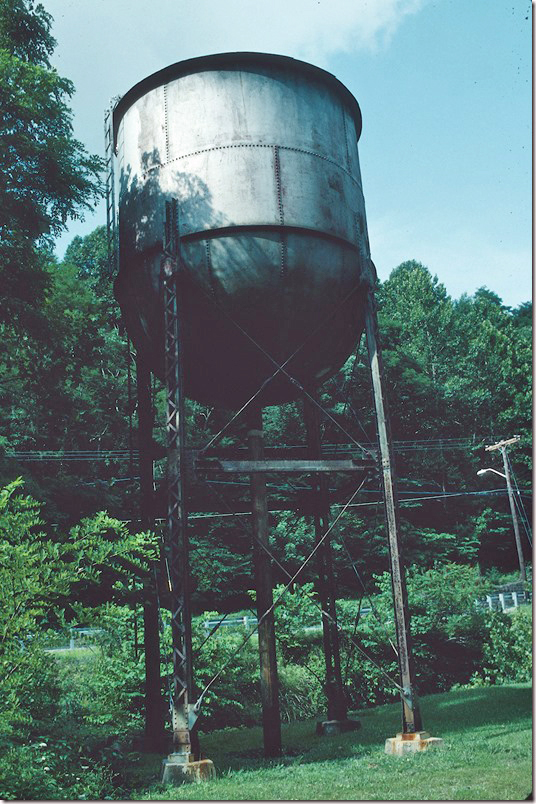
(327, 728)
(409, 743)
(181, 768)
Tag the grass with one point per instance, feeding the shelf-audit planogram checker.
(486, 755)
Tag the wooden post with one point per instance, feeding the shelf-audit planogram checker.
(502, 446)
(336, 702)
(154, 704)
(411, 717)
(522, 569)
(271, 720)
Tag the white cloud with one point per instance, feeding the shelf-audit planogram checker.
(171, 30)
(311, 29)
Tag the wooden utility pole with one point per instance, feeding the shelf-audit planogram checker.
(154, 705)
(411, 717)
(336, 703)
(502, 446)
(271, 719)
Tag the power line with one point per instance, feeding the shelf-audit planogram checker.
(401, 445)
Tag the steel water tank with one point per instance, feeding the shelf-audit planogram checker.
(261, 153)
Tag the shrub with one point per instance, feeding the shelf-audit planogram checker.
(507, 648)
(51, 769)
(447, 632)
(234, 699)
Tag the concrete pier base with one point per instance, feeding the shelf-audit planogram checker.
(409, 743)
(327, 728)
(181, 768)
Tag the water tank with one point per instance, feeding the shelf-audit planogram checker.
(261, 153)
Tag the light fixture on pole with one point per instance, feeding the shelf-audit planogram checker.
(483, 472)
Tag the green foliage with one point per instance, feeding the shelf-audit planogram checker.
(298, 611)
(452, 369)
(447, 634)
(48, 175)
(301, 696)
(507, 650)
(418, 306)
(234, 698)
(103, 688)
(25, 32)
(33, 571)
(39, 578)
(51, 770)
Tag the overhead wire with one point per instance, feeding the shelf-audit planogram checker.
(124, 454)
(280, 597)
(271, 555)
(518, 501)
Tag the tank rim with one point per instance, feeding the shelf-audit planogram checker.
(221, 61)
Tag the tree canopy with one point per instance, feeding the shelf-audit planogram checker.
(48, 176)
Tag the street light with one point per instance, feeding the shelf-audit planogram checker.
(522, 571)
(483, 472)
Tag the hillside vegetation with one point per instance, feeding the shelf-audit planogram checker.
(458, 375)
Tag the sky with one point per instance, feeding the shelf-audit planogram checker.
(444, 88)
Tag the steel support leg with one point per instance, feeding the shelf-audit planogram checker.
(271, 719)
(411, 718)
(181, 764)
(336, 702)
(154, 705)
(176, 522)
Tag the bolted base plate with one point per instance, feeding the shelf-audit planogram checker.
(327, 728)
(409, 743)
(180, 768)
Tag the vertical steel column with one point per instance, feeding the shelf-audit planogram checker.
(271, 719)
(336, 702)
(154, 709)
(177, 517)
(411, 718)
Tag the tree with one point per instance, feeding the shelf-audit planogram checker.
(48, 176)
(419, 303)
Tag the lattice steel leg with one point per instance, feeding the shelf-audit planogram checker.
(176, 520)
(181, 765)
(154, 709)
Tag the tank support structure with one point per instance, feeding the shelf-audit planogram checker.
(337, 710)
(154, 710)
(271, 720)
(181, 764)
(412, 737)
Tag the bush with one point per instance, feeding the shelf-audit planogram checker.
(301, 694)
(447, 632)
(507, 648)
(234, 699)
(29, 691)
(51, 770)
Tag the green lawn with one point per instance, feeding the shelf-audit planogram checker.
(487, 755)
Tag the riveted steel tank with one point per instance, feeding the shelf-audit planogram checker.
(261, 153)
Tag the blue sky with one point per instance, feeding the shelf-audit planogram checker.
(444, 87)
